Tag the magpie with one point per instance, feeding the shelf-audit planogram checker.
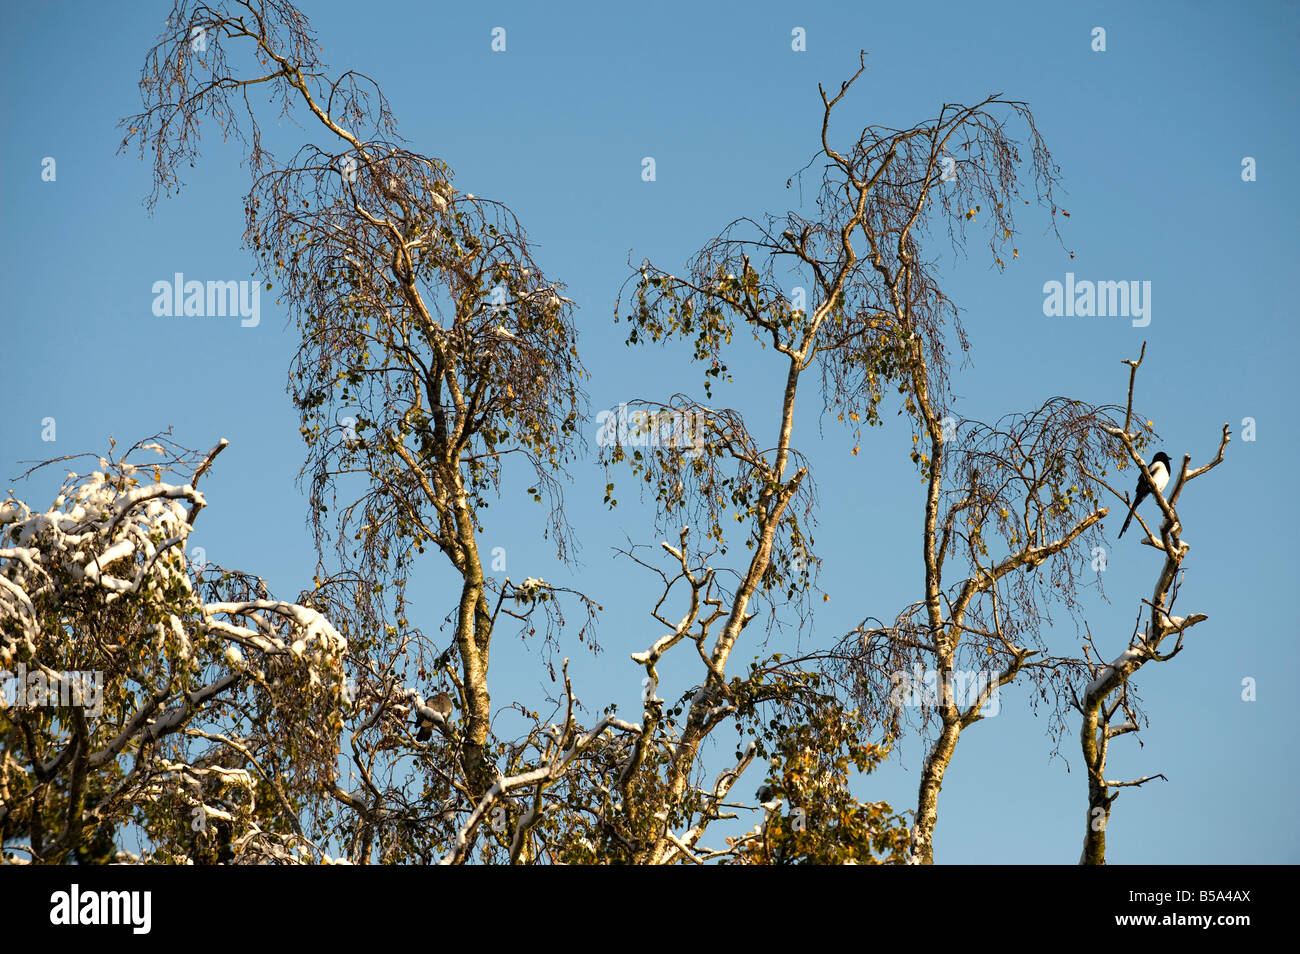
(440, 704)
(1159, 471)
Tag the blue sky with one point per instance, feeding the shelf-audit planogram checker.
(1150, 136)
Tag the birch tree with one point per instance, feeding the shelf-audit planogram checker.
(1006, 499)
(873, 319)
(434, 350)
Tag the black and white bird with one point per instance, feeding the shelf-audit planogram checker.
(1159, 471)
(441, 706)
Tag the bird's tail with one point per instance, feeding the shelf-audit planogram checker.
(1127, 520)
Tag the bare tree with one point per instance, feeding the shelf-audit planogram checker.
(1109, 690)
